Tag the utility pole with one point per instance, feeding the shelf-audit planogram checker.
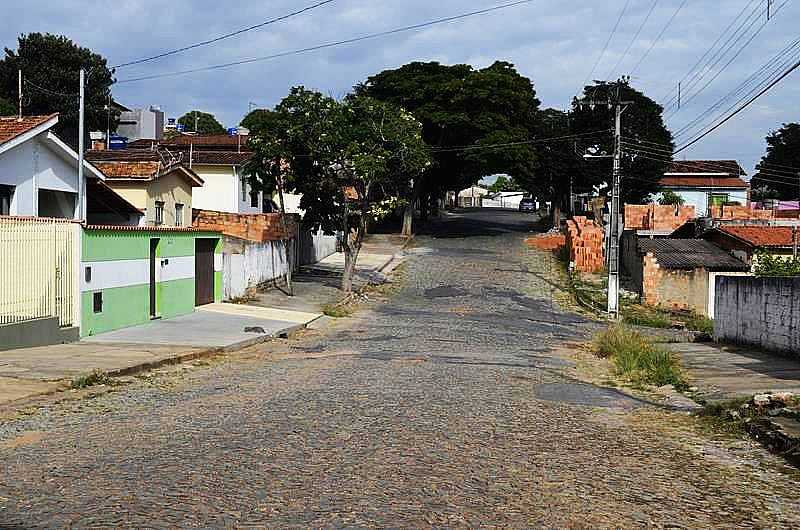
(108, 123)
(81, 188)
(196, 119)
(619, 107)
(19, 76)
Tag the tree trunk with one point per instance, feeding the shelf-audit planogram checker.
(408, 219)
(351, 251)
(286, 241)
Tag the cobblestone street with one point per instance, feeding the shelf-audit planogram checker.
(449, 404)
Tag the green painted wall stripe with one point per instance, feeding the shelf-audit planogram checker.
(104, 245)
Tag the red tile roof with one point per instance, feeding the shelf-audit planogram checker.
(125, 228)
(11, 127)
(731, 167)
(224, 158)
(144, 170)
(202, 140)
(761, 236)
(702, 182)
(141, 155)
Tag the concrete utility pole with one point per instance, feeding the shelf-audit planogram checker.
(81, 189)
(619, 107)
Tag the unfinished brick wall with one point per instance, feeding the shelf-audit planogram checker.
(657, 217)
(259, 227)
(584, 242)
(674, 289)
(738, 212)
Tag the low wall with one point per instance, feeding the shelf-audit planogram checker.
(260, 227)
(763, 312)
(674, 289)
(657, 217)
(314, 246)
(246, 264)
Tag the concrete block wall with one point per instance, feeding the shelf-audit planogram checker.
(763, 312)
(584, 242)
(657, 217)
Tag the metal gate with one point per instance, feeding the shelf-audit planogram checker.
(37, 269)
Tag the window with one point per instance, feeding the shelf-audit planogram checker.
(718, 199)
(178, 215)
(159, 219)
(97, 302)
(254, 198)
(243, 181)
(6, 192)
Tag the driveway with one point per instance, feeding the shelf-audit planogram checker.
(448, 404)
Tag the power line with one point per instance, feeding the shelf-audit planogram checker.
(403, 29)
(744, 85)
(658, 38)
(48, 91)
(725, 66)
(633, 40)
(700, 60)
(225, 36)
(605, 48)
(741, 108)
(513, 144)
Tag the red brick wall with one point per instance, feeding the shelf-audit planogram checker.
(259, 227)
(674, 289)
(550, 241)
(734, 212)
(664, 218)
(585, 244)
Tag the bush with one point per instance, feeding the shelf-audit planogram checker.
(95, 378)
(637, 359)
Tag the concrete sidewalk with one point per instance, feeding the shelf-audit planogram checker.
(317, 284)
(727, 372)
(210, 329)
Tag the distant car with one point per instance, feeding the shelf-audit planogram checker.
(527, 205)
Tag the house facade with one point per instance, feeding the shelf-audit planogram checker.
(39, 172)
(162, 189)
(706, 183)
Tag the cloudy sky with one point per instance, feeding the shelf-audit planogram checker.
(556, 44)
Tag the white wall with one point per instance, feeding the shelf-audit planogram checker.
(251, 265)
(222, 190)
(699, 198)
(34, 165)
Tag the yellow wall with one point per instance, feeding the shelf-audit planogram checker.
(171, 189)
(133, 192)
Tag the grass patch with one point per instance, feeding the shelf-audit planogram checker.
(97, 377)
(637, 359)
(639, 315)
(337, 311)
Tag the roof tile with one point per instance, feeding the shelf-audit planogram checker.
(731, 167)
(11, 127)
(761, 236)
(690, 254)
(702, 182)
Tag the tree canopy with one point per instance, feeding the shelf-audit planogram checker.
(504, 183)
(204, 123)
(782, 155)
(669, 197)
(261, 120)
(6, 108)
(647, 147)
(50, 66)
(351, 161)
(463, 110)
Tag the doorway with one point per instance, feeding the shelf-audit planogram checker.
(204, 270)
(153, 259)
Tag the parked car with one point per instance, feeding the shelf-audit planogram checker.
(527, 205)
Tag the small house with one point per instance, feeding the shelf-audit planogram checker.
(472, 197)
(746, 241)
(706, 183)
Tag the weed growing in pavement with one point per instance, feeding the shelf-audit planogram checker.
(637, 359)
(336, 311)
(639, 315)
(97, 377)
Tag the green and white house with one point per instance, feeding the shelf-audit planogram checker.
(132, 275)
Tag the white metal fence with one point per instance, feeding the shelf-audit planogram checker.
(37, 269)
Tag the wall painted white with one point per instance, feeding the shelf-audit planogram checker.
(222, 190)
(712, 287)
(35, 165)
(115, 273)
(700, 198)
(258, 263)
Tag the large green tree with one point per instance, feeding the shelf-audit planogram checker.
(780, 163)
(50, 65)
(6, 108)
(350, 160)
(201, 123)
(463, 111)
(261, 120)
(647, 143)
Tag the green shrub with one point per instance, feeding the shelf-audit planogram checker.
(695, 322)
(637, 359)
(649, 319)
(336, 311)
(95, 378)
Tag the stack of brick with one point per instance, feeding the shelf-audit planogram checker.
(552, 241)
(657, 217)
(259, 227)
(739, 213)
(584, 242)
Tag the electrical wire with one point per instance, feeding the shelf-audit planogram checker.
(633, 40)
(225, 36)
(48, 91)
(727, 64)
(369, 36)
(608, 41)
(513, 144)
(740, 108)
(658, 38)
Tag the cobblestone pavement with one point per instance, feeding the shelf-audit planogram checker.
(444, 406)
